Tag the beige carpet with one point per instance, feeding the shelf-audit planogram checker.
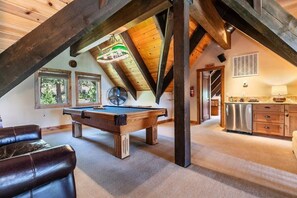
(150, 171)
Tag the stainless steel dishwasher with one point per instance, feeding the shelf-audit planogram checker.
(239, 117)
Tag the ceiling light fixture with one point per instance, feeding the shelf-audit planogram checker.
(115, 52)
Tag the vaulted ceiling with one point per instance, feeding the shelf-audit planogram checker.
(19, 17)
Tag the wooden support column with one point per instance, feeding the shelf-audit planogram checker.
(181, 83)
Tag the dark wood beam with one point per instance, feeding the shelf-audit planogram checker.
(181, 83)
(160, 20)
(130, 15)
(125, 79)
(257, 4)
(196, 37)
(205, 13)
(167, 79)
(51, 38)
(139, 61)
(164, 54)
(275, 34)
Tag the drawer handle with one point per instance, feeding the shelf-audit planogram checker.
(266, 127)
(267, 116)
(267, 107)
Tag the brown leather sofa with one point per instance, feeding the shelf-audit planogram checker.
(30, 167)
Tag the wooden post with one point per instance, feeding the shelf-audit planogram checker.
(76, 129)
(152, 135)
(121, 145)
(181, 83)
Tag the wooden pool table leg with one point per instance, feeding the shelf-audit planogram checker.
(76, 129)
(121, 145)
(152, 135)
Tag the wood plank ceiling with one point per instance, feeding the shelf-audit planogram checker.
(19, 17)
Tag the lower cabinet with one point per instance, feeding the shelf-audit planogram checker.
(290, 119)
(275, 119)
(269, 119)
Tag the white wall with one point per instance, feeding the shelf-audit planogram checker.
(273, 70)
(17, 107)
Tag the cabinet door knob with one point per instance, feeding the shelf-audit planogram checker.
(267, 116)
(267, 107)
(266, 127)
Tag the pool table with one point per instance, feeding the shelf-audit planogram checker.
(119, 120)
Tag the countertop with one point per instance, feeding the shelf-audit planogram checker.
(268, 102)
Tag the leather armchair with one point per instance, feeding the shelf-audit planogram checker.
(30, 167)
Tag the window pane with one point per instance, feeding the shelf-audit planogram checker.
(53, 90)
(88, 91)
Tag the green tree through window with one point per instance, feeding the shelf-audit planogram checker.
(88, 89)
(52, 88)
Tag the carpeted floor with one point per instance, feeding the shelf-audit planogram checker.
(150, 171)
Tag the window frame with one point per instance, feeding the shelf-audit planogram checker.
(89, 76)
(52, 72)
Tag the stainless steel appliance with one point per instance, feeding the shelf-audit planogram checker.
(239, 117)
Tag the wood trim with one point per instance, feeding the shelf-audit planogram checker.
(90, 76)
(165, 121)
(222, 113)
(37, 87)
(54, 128)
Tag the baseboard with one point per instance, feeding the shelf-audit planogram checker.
(54, 128)
(172, 120)
(164, 121)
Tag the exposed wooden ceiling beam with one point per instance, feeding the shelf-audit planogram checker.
(51, 38)
(164, 53)
(125, 79)
(205, 13)
(196, 37)
(130, 15)
(139, 61)
(160, 20)
(257, 4)
(275, 28)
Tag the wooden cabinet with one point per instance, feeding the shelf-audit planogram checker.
(290, 119)
(269, 119)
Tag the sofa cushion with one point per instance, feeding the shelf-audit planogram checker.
(20, 148)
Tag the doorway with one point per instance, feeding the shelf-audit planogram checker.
(211, 93)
